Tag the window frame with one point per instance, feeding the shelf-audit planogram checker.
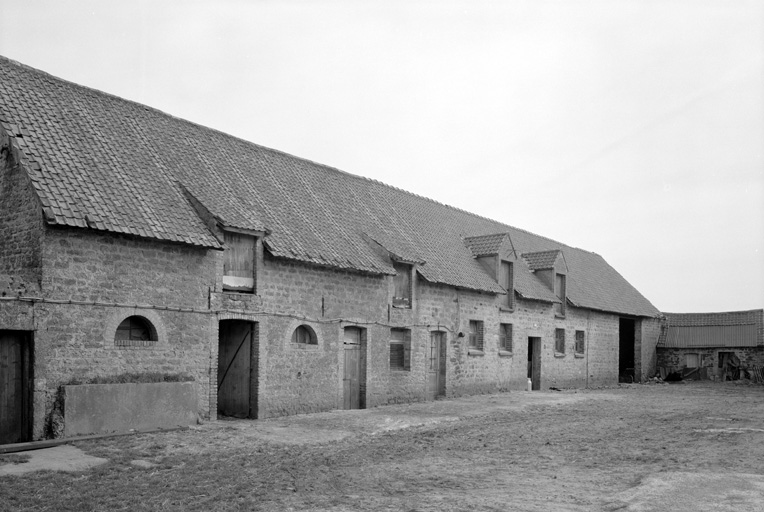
(403, 301)
(298, 339)
(559, 341)
(580, 348)
(476, 336)
(507, 281)
(506, 338)
(560, 291)
(130, 341)
(405, 346)
(231, 240)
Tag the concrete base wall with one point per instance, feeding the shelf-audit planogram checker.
(106, 408)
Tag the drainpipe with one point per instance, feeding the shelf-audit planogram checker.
(586, 340)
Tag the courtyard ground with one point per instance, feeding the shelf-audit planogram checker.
(686, 446)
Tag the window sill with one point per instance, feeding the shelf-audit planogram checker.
(579, 355)
(559, 316)
(401, 307)
(506, 309)
(504, 353)
(475, 352)
(559, 354)
(400, 370)
(234, 292)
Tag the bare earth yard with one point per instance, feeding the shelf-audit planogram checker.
(686, 446)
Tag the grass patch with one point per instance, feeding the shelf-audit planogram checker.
(14, 458)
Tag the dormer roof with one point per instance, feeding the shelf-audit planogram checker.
(542, 260)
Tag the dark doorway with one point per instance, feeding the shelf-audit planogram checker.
(626, 350)
(534, 362)
(436, 367)
(354, 372)
(237, 369)
(15, 387)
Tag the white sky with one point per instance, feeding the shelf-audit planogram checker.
(633, 128)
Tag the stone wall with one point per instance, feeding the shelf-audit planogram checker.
(21, 227)
(178, 289)
(108, 278)
(674, 359)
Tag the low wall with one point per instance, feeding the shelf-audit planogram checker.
(105, 408)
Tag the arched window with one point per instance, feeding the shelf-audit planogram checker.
(135, 330)
(304, 335)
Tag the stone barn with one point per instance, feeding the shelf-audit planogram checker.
(136, 242)
(718, 346)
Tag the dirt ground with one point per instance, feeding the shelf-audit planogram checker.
(686, 446)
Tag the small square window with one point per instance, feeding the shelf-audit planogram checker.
(559, 341)
(476, 335)
(692, 360)
(580, 338)
(400, 349)
(505, 337)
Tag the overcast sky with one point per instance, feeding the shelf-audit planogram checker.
(633, 129)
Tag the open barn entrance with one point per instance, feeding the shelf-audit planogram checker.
(15, 386)
(237, 368)
(626, 337)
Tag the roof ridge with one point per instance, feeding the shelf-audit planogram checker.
(715, 312)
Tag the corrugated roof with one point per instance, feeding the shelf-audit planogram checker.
(719, 329)
(101, 162)
(684, 336)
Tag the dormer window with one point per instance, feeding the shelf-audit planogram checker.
(559, 291)
(507, 281)
(239, 263)
(402, 285)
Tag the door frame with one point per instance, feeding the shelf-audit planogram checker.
(440, 378)
(358, 346)
(253, 360)
(534, 362)
(26, 400)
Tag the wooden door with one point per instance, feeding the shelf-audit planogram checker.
(351, 379)
(436, 366)
(234, 368)
(534, 362)
(15, 387)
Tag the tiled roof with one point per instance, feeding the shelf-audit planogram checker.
(102, 162)
(541, 260)
(530, 287)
